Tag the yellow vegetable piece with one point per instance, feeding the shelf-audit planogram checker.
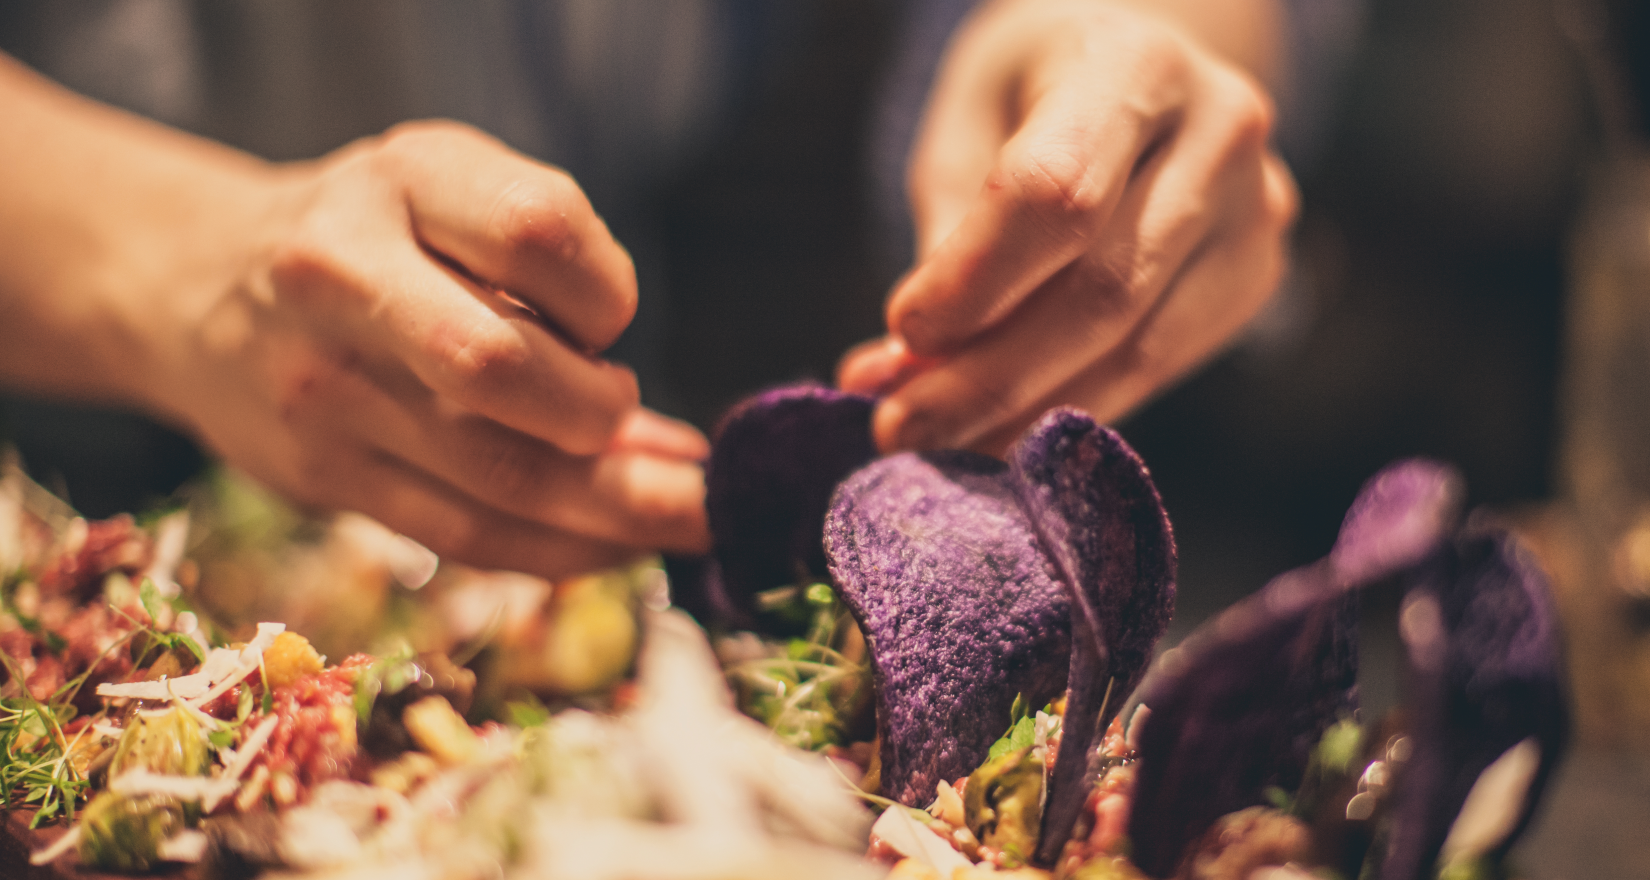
(289, 658)
(440, 731)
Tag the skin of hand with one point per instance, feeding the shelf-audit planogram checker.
(407, 327)
(1097, 211)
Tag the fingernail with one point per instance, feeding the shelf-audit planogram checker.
(872, 367)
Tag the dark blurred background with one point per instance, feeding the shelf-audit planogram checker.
(1441, 168)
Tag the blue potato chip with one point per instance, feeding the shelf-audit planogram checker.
(1237, 709)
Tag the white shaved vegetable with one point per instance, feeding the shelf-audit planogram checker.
(913, 839)
(185, 846)
(1493, 805)
(223, 669)
(185, 788)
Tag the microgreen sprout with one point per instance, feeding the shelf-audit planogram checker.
(35, 769)
(807, 689)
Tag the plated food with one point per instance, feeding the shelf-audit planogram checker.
(948, 660)
(151, 743)
(1243, 753)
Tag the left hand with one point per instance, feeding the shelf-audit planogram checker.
(1097, 211)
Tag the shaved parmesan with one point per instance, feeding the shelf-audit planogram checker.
(243, 759)
(915, 840)
(223, 669)
(183, 687)
(188, 788)
(185, 846)
(171, 536)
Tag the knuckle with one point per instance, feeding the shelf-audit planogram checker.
(1244, 117)
(544, 216)
(1055, 181)
(547, 218)
(1158, 57)
(482, 361)
(1251, 112)
(622, 302)
(312, 269)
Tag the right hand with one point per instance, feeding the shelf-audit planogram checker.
(1098, 210)
(415, 336)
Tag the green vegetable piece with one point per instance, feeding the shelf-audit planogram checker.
(123, 833)
(822, 595)
(1340, 746)
(170, 744)
(1002, 804)
(1020, 736)
(1018, 709)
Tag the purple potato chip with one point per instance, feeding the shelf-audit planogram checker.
(1487, 672)
(1092, 503)
(1238, 708)
(958, 604)
(776, 460)
(1400, 515)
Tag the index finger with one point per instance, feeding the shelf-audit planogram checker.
(1051, 188)
(518, 225)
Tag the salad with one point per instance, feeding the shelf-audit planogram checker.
(922, 666)
(138, 738)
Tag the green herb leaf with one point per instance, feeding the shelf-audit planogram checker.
(391, 674)
(153, 601)
(1021, 736)
(821, 594)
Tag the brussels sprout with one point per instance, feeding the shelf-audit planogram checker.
(1004, 804)
(171, 744)
(123, 833)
